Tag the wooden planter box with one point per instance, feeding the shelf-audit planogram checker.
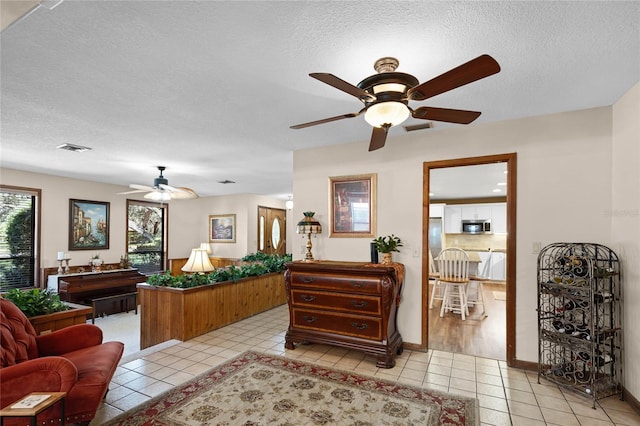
(51, 322)
(174, 313)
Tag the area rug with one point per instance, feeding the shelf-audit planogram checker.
(499, 295)
(260, 389)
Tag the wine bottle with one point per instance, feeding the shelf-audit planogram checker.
(584, 356)
(558, 325)
(572, 304)
(582, 331)
(569, 328)
(600, 298)
(601, 360)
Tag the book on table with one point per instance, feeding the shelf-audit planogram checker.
(30, 401)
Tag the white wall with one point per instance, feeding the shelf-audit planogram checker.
(625, 217)
(564, 184)
(188, 219)
(189, 223)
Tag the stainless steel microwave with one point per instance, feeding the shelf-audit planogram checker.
(476, 226)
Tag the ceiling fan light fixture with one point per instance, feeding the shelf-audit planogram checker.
(389, 113)
(389, 87)
(158, 196)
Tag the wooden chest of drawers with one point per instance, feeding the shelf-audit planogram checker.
(348, 304)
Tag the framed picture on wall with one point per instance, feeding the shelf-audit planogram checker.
(88, 225)
(352, 206)
(222, 228)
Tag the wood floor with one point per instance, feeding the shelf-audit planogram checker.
(479, 335)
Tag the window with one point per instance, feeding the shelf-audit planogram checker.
(19, 237)
(147, 236)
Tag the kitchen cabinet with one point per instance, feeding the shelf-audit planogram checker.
(580, 319)
(499, 218)
(498, 266)
(436, 210)
(476, 212)
(483, 267)
(452, 220)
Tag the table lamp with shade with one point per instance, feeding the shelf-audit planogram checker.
(308, 225)
(198, 262)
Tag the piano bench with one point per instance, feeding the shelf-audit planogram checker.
(125, 300)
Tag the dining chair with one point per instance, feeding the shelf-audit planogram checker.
(438, 289)
(453, 269)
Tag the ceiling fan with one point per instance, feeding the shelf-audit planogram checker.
(161, 190)
(386, 95)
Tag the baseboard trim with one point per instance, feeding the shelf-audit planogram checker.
(631, 400)
(525, 365)
(412, 347)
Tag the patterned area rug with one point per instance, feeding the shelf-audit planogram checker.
(259, 389)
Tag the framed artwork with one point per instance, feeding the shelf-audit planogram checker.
(222, 228)
(352, 206)
(88, 225)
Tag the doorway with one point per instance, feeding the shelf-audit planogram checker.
(272, 230)
(509, 312)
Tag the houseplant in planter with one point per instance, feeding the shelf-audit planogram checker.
(45, 310)
(387, 245)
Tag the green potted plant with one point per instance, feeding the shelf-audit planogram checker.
(387, 245)
(35, 301)
(45, 310)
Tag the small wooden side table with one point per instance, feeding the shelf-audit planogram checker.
(34, 411)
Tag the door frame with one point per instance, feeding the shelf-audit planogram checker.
(511, 160)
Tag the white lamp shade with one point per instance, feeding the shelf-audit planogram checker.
(198, 262)
(391, 113)
(206, 247)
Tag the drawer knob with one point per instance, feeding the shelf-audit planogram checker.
(310, 319)
(307, 298)
(307, 280)
(357, 284)
(359, 303)
(359, 326)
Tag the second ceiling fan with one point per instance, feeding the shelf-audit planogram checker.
(386, 95)
(161, 190)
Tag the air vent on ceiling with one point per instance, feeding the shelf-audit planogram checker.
(226, 181)
(74, 148)
(421, 126)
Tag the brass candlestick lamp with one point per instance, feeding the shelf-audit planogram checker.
(308, 225)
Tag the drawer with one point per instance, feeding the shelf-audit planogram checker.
(348, 325)
(334, 282)
(353, 303)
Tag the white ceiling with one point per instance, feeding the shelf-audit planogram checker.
(209, 88)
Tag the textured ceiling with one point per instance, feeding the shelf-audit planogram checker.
(210, 88)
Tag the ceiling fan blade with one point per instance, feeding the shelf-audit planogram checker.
(459, 116)
(326, 120)
(378, 138)
(166, 187)
(135, 191)
(480, 67)
(141, 187)
(179, 193)
(184, 194)
(340, 84)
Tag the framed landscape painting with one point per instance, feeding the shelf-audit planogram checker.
(222, 228)
(353, 206)
(88, 225)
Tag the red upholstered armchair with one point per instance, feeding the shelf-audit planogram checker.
(72, 360)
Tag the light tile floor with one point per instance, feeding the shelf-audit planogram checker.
(507, 396)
